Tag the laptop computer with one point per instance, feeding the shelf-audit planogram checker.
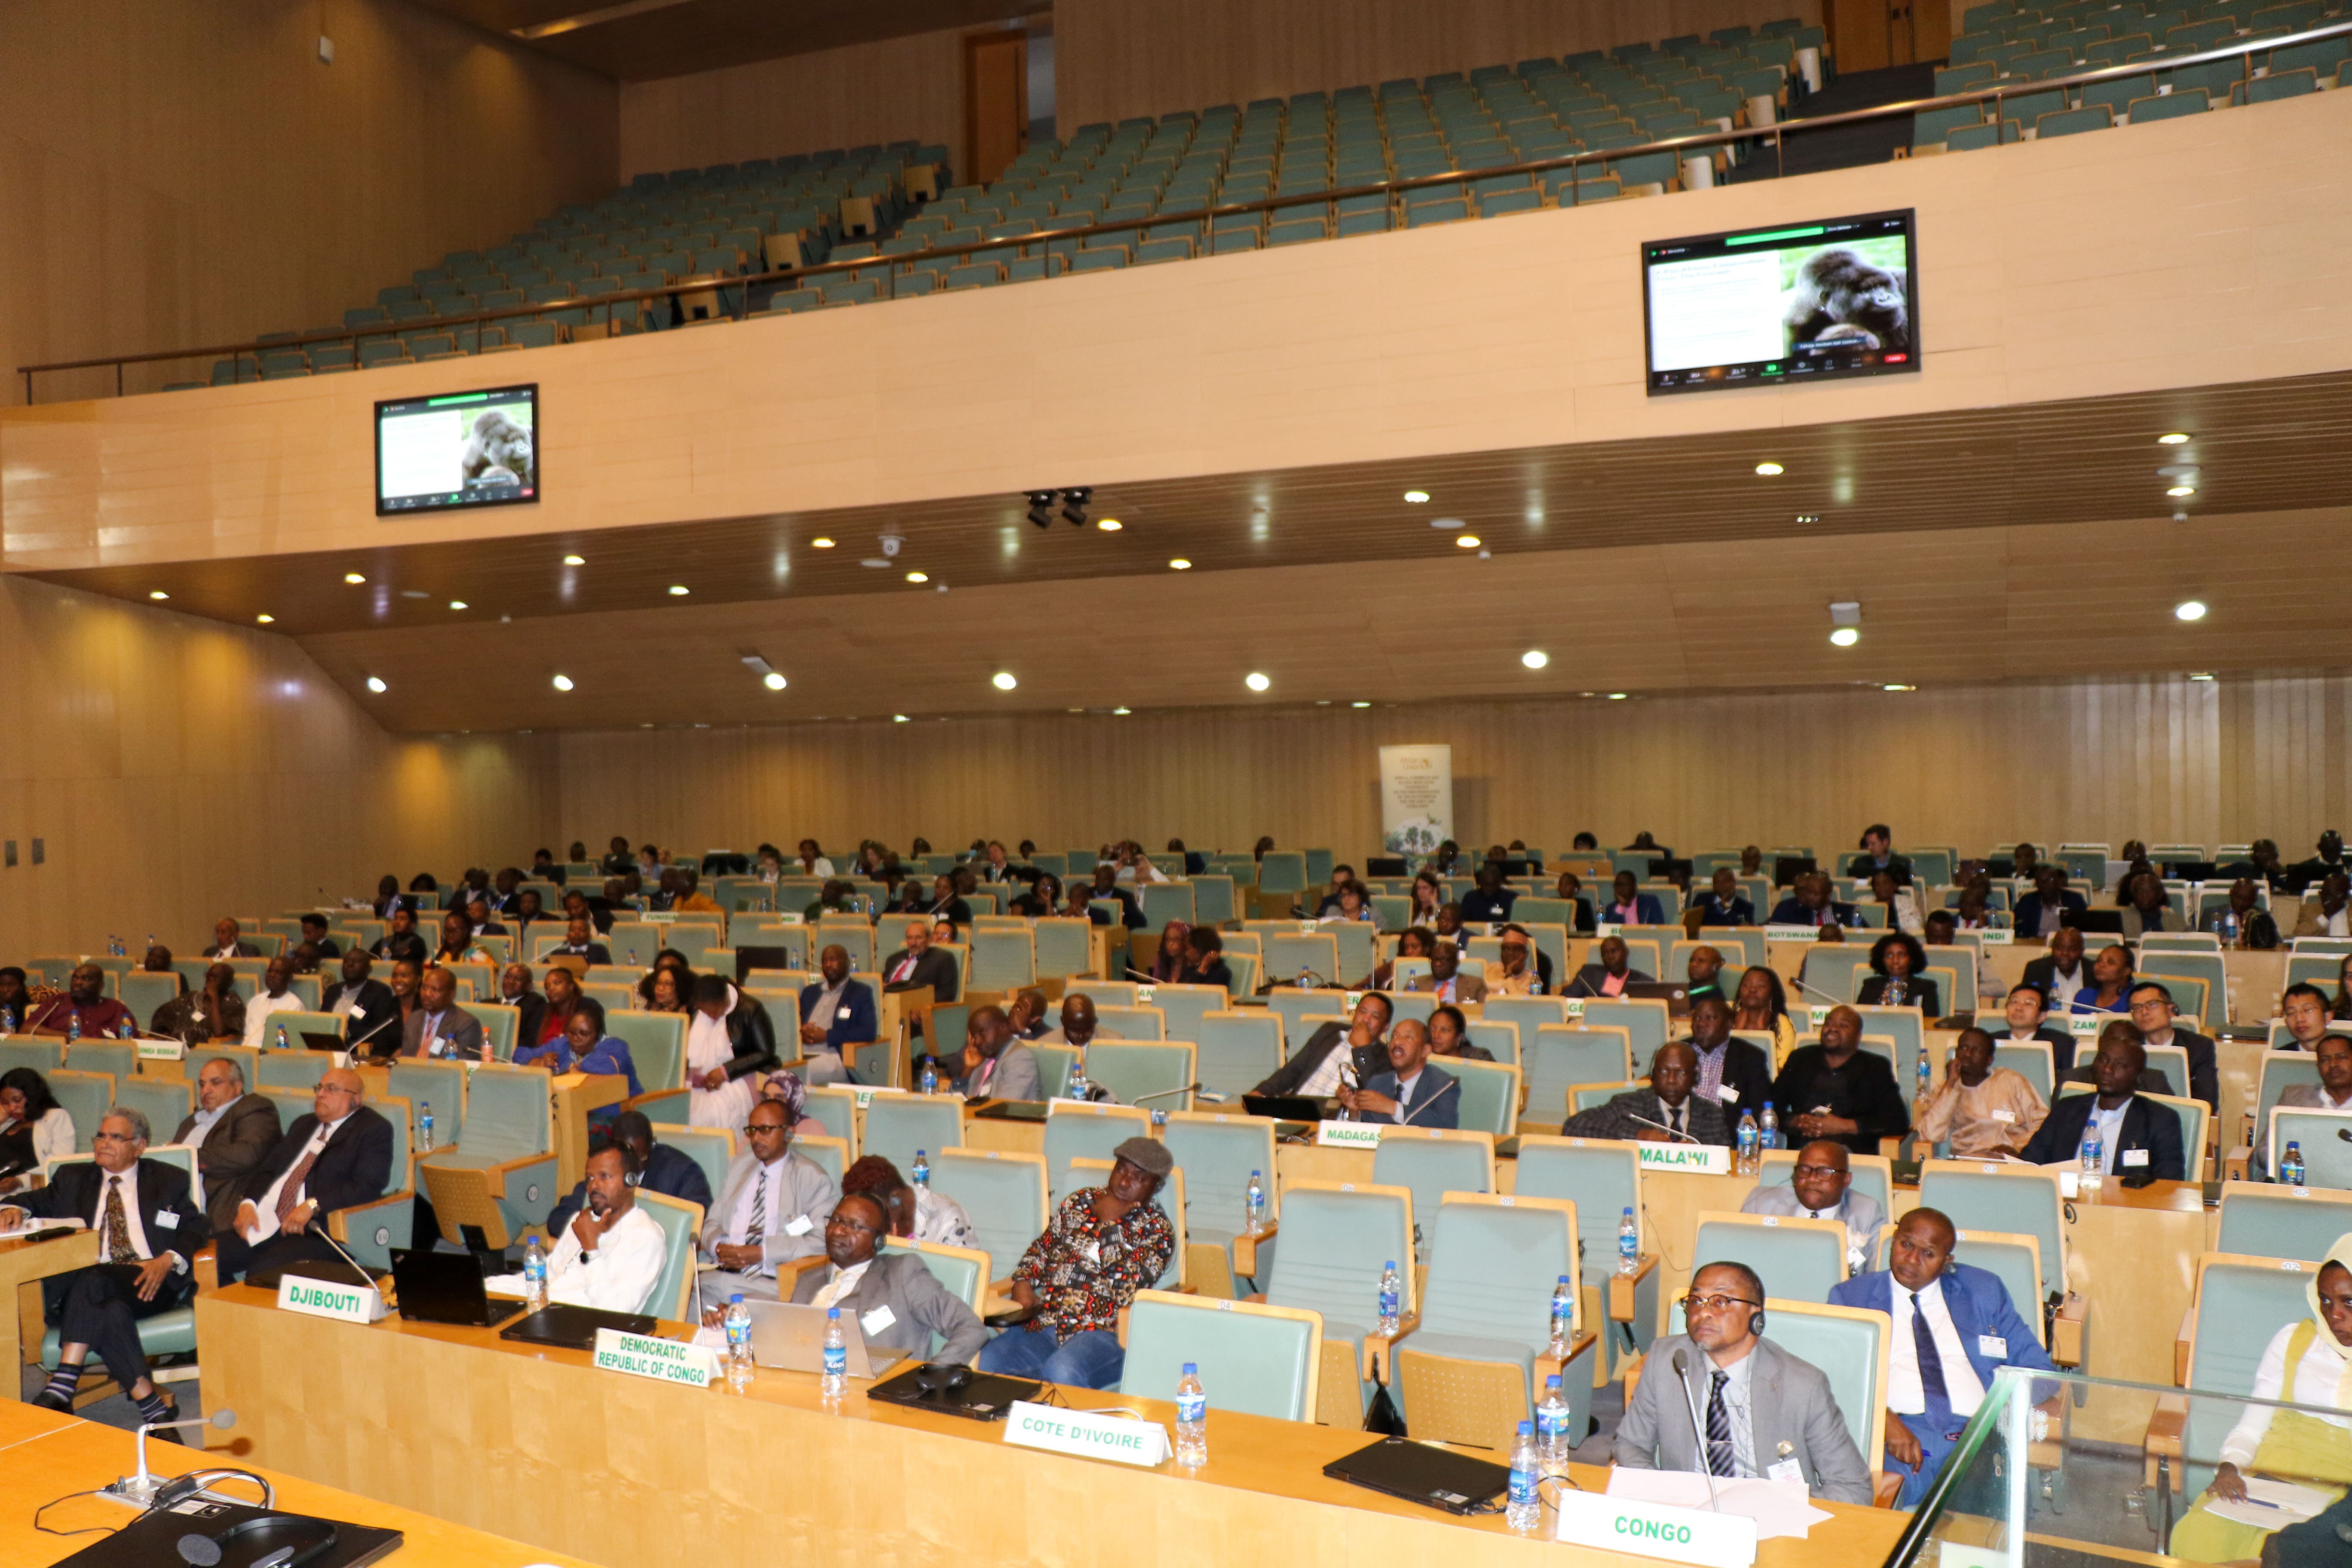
(1434, 1478)
(982, 1397)
(748, 959)
(575, 1328)
(1287, 1106)
(2109, 923)
(445, 1288)
(320, 1040)
(791, 1335)
(1787, 868)
(1673, 993)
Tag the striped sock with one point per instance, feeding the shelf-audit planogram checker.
(62, 1383)
(154, 1407)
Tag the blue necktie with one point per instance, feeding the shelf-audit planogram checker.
(1931, 1361)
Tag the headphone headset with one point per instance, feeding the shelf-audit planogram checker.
(1756, 1322)
(631, 1178)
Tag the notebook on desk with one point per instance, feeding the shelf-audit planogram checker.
(575, 1328)
(1415, 1472)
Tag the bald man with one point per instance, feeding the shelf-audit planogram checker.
(338, 1154)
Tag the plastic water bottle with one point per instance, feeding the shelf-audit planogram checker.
(2095, 1158)
(1628, 1246)
(1392, 1296)
(1191, 1418)
(1927, 1078)
(1563, 1319)
(922, 1171)
(1254, 1206)
(738, 1322)
(2291, 1164)
(931, 1082)
(835, 1378)
(1079, 1089)
(534, 1276)
(127, 1030)
(1749, 1140)
(425, 1127)
(1524, 1512)
(2229, 928)
(1306, 978)
(73, 1027)
(1551, 1428)
(1769, 1131)
(281, 1037)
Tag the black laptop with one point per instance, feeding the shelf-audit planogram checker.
(320, 1040)
(1787, 868)
(982, 1397)
(1434, 1478)
(2104, 922)
(1289, 1106)
(748, 959)
(575, 1328)
(445, 1288)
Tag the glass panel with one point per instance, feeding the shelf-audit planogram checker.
(2063, 1471)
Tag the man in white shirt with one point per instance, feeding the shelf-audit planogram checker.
(611, 1255)
(771, 1208)
(1314, 1070)
(274, 998)
(1822, 1187)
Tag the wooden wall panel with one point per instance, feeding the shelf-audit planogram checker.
(178, 770)
(189, 173)
(2162, 759)
(895, 90)
(1120, 58)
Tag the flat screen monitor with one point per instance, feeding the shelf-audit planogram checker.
(1803, 301)
(457, 450)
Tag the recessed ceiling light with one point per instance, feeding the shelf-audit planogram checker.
(1004, 680)
(1416, 497)
(2189, 610)
(1109, 525)
(1255, 681)
(1805, 517)
(1322, 702)
(1846, 636)
(897, 718)
(415, 593)
(376, 684)
(354, 577)
(1767, 469)
(157, 593)
(1465, 542)
(1616, 697)
(1897, 686)
(1122, 712)
(2178, 490)
(575, 561)
(1180, 564)
(1445, 523)
(457, 603)
(1535, 658)
(821, 543)
(562, 683)
(919, 576)
(266, 619)
(773, 682)
(678, 590)
(2202, 675)
(1360, 705)
(2177, 438)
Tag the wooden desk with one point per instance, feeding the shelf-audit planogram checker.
(51, 1455)
(649, 1475)
(23, 1265)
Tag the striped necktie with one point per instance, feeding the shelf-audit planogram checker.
(1719, 1451)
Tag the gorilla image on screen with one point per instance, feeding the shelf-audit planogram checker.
(1841, 300)
(497, 452)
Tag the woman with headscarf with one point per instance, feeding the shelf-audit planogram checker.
(728, 1038)
(2308, 1363)
(1168, 965)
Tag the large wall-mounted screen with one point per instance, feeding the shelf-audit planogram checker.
(457, 449)
(1802, 301)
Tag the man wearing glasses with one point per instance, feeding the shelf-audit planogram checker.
(1822, 1187)
(148, 1228)
(1764, 1412)
(897, 1302)
(337, 1155)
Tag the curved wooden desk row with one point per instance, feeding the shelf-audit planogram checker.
(637, 1474)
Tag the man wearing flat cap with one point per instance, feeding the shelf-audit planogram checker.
(1102, 1246)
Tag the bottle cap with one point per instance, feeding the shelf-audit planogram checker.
(832, 1312)
(1192, 1368)
(1551, 1380)
(736, 1299)
(1527, 1428)
(1391, 1264)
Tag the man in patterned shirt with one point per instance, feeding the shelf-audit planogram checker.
(1104, 1245)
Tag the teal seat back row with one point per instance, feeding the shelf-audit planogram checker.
(1282, 871)
(1563, 1054)
(657, 1043)
(1318, 867)
(1006, 1199)
(2022, 1204)
(897, 1125)
(166, 1102)
(791, 936)
(1003, 959)
(1645, 1024)
(1288, 955)
(1498, 1037)
(508, 1113)
(290, 1069)
(143, 994)
(1328, 1257)
(1086, 1132)
(2036, 1064)
(1151, 1073)
(1181, 1008)
(712, 1148)
(2205, 966)
(1217, 1152)
(852, 934)
(961, 1278)
(2325, 1140)
(1529, 1013)
(1835, 971)
(1065, 947)
(1239, 1049)
(116, 1059)
(2278, 1222)
(1293, 1007)
(1255, 1362)
(441, 1085)
(1906, 1027)
(2240, 1307)
(634, 944)
(1430, 1168)
(1054, 1064)
(1490, 1096)
(1214, 901)
(1796, 1263)
(1130, 1021)
(500, 1023)
(833, 1108)
(2016, 1266)
(42, 1055)
(1493, 1267)
(2280, 1068)
(670, 1298)
(1165, 902)
(85, 1096)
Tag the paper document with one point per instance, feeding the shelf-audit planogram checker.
(1778, 1508)
(2270, 1505)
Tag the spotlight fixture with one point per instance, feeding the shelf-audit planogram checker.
(376, 684)
(1845, 637)
(772, 680)
(2202, 675)
(1445, 523)
(266, 619)
(1465, 542)
(820, 542)
(1360, 705)
(354, 577)
(1768, 470)
(1255, 681)
(1535, 658)
(2178, 491)
(1897, 686)
(1004, 680)
(1416, 497)
(575, 561)
(919, 576)
(678, 590)
(457, 603)
(2175, 438)
(2189, 610)
(1808, 517)
(1122, 712)
(1845, 620)
(1041, 508)
(157, 593)
(1616, 697)
(1180, 564)
(1073, 505)
(897, 718)
(1109, 525)
(562, 683)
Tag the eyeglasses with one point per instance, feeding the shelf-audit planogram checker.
(1694, 1305)
(333, 1088)
(842, 1222)
(114, 1137)
(1819, 1171)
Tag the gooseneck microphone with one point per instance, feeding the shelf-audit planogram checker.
(1669, 1131)
(140, 1489)
(1690, 1404)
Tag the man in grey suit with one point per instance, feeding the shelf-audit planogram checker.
(995, 1065)
(771, 1208)
(894, 1298)
(1765, 1412)
(1646, 1113)
(234, 1133)
(439, 1027)
(1822, 1187)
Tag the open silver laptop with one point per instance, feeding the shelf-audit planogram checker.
(791, 1335)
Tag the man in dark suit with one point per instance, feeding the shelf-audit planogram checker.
(2244, 919)
(835, 1015)
(148, 1228)
(1644, 1114)
(439, 1027)
(1629, 906)
(371, 1012)
(2152, 1011)
(2026, 1007)
(919, 963)
(2138, 1136)
(232, 1132)
(338, 1155)
(2043, 911)
(1570, 889)
(580, 941)
(225, 943)
(2060, 974)
(1105, 886)
(401, 940)
(1809, 904)
(1610, 976)
(1878, 855)
(661, 1169)
(314, 932)
(1489, 903)
(1314, 1068)
(1731, 1072)
(531, 1008)
(576, 906)
(1723, 904)
(1408, 1091)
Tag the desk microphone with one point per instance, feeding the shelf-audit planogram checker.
(395, 1013)
(1670, 1131)
(1690, 1403)
(1833, 1001)
(317, 1225)
(1166, 1093)
(139, 1491)
(2345, 1133)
